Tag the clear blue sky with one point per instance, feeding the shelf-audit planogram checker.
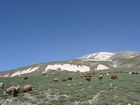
(35, 31)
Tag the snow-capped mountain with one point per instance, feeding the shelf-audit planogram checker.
(108, 56)
(90, 62)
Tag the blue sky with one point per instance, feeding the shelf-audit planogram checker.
(35, 31)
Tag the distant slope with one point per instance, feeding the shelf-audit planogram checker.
(90, 62)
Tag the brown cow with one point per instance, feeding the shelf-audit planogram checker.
(2, 85)
(64, 79)
(10, 90)
(114, 77)
(26, 88)
(14, 90)
(88, 79)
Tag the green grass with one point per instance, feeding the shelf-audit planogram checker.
(45, 91)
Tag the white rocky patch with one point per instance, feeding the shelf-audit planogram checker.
(68, 67)
(101, 67)
(29, 70)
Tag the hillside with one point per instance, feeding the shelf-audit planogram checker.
(45, 91)
(122, 91)
(90, 62)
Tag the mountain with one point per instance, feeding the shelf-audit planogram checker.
(107, 56)
(101, 56)
(90, 62)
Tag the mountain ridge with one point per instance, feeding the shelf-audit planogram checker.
(90, 62)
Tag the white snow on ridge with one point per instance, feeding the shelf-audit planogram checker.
(101, 67)
(7, 75)
(29, 70)
(90, 55)
(101, 56)
(131, 56)
(68, 67)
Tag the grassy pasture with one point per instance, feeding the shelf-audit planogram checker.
(123, 91)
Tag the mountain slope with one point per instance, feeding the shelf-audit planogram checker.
(123, 91)
(101, 56)
(91, 62)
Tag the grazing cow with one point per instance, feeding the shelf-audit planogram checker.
(88, 79)
(56, 79)
(100, 77)
(18, 88)
(107, 73)
(134, 72)
(2, 85)
(129, 73)
(14, 90)
(70, 78)
(10, 90)
(114, 77)
(25, 78)
(81, 76)
(26, 88)
(64, 79)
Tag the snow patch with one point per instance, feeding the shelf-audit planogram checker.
(115, 65)
(7, 75)
(68, 67)
(29, 70)
(101, 56)
(131, 56)
(91, 55)
(101, 67)
(15, 74)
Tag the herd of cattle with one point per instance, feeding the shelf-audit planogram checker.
(15, 90)
(89, 76)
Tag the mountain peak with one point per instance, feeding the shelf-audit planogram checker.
(108, 56)
(99, 56)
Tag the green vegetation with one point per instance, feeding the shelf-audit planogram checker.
(122, 91)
